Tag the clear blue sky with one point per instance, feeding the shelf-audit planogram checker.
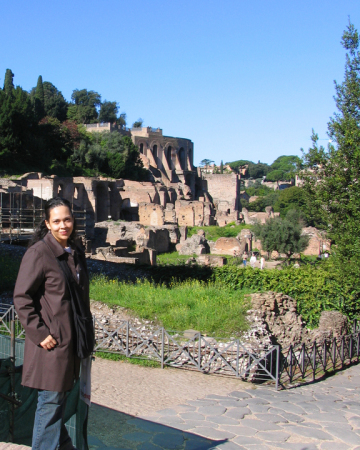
(242, 79)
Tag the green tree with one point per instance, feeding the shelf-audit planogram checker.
(85, 106)
(108, 112)
(332, 176)
(281, 235)
(290, 198)
(54, 102)
(8, 82)
(39, 99)
(205, 163)
(138, 123)
(221, 167)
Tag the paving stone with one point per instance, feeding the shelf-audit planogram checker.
(229, 403)
(198, 444)
(211, 433)
(273, 436)
(333, 446)
(309, 407)
(345, 435)
(217, 397)
(212, 410)
(259, 425)
(274, 418)
(298, 446)
(172, 420)
(184, 408)
(167, 412)
(137, 436)
(191, 424)
(147, 446)
(309, 432)
(239, 430)
(289, 407)
(192, 416)
(258, 401)
(227, 446)
(237, 413)
(246, 441)
(293, 417)
(146, 425)
(327, 417)
(259, 408)
(225, 420)
(169, 440)
(93, 440)
(240, 394)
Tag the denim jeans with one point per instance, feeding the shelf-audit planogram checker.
(49, 431)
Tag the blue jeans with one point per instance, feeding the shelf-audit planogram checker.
(49, 431)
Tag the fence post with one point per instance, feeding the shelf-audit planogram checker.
(334, 353)
(351, 347)
(277, 366)
(162, 346)
(314, 360)
(303, 360)
(237, 358)
(127, 339)
(12, 377)
(199, 352)
(291, 363)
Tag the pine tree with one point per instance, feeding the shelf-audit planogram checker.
(39, 99)
(8, 82)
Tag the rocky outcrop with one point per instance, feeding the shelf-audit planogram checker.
(274, 318)
(195, 245)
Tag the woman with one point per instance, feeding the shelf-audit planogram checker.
(42, 301)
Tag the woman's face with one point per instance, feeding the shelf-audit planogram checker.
(61, 224)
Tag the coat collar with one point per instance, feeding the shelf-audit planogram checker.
(54, 245)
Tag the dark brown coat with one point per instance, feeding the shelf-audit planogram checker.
(42, 302)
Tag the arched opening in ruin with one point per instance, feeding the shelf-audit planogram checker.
(188, 179)
(76, 193)
(246, 248)
(141, 149)
(182, 158)
(228, 211)
(155, 152)
(101, 203)
(60, 190)
(168, 157)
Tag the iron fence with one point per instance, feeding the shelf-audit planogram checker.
(295, 364)
(308, 362)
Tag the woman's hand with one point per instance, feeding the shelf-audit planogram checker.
(48, 343)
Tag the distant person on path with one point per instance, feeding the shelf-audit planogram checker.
(253, 261)
(43, 302)
(262, 263)
(245, 257)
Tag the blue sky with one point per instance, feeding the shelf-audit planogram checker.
(241, 79)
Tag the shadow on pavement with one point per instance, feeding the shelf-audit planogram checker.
(109, 429)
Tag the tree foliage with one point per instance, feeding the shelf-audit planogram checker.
(332, 176)
(282, 235)
(85, 106)
(8, 82)
(108, 112)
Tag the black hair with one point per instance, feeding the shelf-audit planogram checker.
(42, 230)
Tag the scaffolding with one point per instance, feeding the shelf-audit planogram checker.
(18, 222)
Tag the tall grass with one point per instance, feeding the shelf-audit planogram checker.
(210, 308)
(214, 232)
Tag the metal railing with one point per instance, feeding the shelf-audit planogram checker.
(308, 362)
(295, 364)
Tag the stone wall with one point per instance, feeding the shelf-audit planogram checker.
(223, 190)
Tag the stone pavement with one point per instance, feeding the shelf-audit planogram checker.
(324, 415)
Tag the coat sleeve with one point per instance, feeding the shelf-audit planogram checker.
(30, 278)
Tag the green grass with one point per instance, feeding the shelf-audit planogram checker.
(136, 361)
(210, 308)
(172, 258)
(214, 232)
